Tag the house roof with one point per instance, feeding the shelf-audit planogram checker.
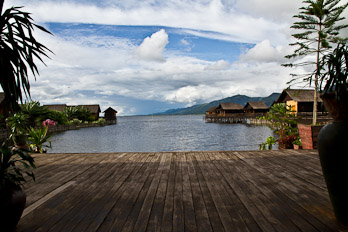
(256, 105)
(110, 109)
(298, 95)
(211, 109)
(57, 107)
(94, 109)
(230, 106)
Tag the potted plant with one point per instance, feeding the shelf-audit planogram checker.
(14, 163)
(297, 143)
(268, 145)
(333, 137)
(18, 124)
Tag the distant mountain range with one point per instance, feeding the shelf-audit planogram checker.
(201, 108)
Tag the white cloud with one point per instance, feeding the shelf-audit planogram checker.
(185, 42)
(265, 52)
(216, 16)
(152, 47)
(274, 10)
(92, 69)
(81, 73)
(219, 65)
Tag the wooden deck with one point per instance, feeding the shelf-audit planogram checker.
(179, 191)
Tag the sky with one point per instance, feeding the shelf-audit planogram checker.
(148, 56)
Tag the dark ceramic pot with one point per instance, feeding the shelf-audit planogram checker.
(12, 204)
(332, 147)
(20, 140)
(337, 107)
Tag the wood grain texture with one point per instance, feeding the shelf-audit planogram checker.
(179, 191)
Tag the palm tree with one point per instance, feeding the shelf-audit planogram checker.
(18, 51)
(318, 32)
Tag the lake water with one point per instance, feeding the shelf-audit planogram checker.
(161, 133)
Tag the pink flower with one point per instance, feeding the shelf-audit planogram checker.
(48, 122)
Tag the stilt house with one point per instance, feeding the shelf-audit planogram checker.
(255, 108)
(211, 111)
(229, 109)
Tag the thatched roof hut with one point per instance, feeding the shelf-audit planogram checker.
(57, 107)
(298, 95)
(211, 110)
(255, 107)
(300, 100)
(226, 109)
(94, 109)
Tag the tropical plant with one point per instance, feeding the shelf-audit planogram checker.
(336, 75)
(78, 112)
(34, 110)
(319, 30)
(18, 51)
(297, 141)
(70, 112)
(38, 137)
(268, 145)
(284, 122)
(18, 123)
(13, 165)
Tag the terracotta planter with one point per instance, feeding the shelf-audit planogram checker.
(12, 203)
(309, 135)
(297, 147)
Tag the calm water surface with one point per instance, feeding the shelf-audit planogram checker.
(160, 133)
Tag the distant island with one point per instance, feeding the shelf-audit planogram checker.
(201, 108)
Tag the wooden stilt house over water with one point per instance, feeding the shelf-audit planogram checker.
(229, 109)
(226, 113)
(255, 109)
(211, 111)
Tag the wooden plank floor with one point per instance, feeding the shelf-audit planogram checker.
(179, 191)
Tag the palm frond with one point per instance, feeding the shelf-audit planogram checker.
(18, 51)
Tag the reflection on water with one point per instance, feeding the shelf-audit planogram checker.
(161, 133)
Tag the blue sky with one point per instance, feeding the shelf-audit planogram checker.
(180, 41)
(143, 57)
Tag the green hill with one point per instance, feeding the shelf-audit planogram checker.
(201, 108)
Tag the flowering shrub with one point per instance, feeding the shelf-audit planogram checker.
(287, 141)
